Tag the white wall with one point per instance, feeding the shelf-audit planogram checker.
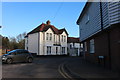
(63, 44)
(77, 45)
(33, 43)
(43, 43)
(48, 42)
(74, 50)
(26, 45)
(54, 50)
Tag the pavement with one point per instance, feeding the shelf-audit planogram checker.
(84, 70)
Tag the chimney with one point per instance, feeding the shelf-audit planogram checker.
(48, 22)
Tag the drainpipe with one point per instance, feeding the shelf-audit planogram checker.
(43, 43)
(108, 36)
(109, 50)
(38, 42)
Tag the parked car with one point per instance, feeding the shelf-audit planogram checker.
(18, 55)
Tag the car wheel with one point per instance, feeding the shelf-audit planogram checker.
(29, 60)
(9, 61)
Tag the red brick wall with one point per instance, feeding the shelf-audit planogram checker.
(101, 47)
(115, 48)
(107, 43)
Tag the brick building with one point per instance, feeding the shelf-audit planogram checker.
(99, 25)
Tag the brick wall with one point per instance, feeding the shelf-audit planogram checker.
(107, 43)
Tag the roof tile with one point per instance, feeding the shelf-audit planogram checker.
(44, 27)
(73, 40)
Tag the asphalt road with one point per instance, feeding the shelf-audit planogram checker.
(42, 67)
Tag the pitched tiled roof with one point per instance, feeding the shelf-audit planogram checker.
(62, 30)
(73, 40)
(44, 27)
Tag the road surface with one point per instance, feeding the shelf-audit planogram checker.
(42, 67)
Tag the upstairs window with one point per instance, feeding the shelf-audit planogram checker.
(50, 36)
(47, 35)
(59, 38)
(85, 46)
(64, 38)
(87, 18)
(54, 37)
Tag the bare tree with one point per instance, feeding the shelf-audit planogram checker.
(21, 41)
(14, 42)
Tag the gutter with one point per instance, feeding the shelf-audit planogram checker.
(109, 50)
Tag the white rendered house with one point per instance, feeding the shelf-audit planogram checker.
(73, 46)
(47, 40)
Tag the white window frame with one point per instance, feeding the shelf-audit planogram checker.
(47, 36)
(48, 49)
(63, 50)
(88, 18)
(50, 36)
(92, 46)
(54, 37)
(85, 46)
(64, 38)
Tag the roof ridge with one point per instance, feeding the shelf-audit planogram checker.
(44, 27)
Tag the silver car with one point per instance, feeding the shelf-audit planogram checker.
(18, 55)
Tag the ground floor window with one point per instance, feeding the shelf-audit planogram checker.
(48, 49)
(27, 47)
(92, 46)
(85, 46)
(56, 50)
(63, 50)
